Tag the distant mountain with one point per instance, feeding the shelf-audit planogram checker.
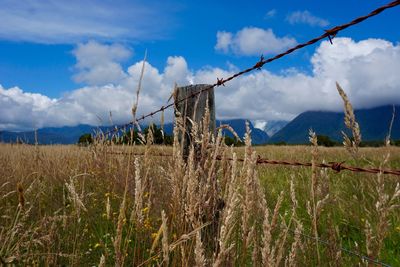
(50, 135)
(274, 126)
(239, 125)
(71, 134)
(374, 124)
(258, 136)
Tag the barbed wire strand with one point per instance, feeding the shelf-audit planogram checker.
(331, 33)
(336, 166)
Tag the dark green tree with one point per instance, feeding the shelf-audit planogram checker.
(129, 137)
(159, 137)
(232, 141)
(324, 140)
(85, 139)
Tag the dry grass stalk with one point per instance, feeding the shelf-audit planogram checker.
(351, 123)
(102, 262)
(165, 246)
(21, 198)
(229, 128)
(385, 204)
(314, 186)
(134, 107)
(139, 190)
(230, 217)
(280, 243)
(272, 250)
(119, 255)
(200, 259)
(387, 139)
(247, 174)
(291, 260)
(275, 216)
(75, 198)
(267, 240)
(108, 208)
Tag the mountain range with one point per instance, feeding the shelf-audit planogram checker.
(374, 124)
(71, 134)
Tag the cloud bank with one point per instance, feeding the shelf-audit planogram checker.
(367, 70)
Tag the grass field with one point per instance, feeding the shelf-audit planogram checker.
(81, 206)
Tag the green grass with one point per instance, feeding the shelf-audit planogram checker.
(52, 229)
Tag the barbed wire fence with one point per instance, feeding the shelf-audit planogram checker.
(336, 166)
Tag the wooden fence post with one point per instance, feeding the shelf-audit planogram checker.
(194, 106)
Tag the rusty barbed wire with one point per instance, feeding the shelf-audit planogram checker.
(330, 33)
(336, 166)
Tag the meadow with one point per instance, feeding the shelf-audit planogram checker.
(84, 206)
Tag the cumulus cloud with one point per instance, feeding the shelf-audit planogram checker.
(20, 109)
(252, 41)
(367, 70)
(305, 17)
(62, 21)
(99, 64)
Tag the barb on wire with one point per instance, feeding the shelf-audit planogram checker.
(220, 82)
(331, 35)
(328, 34)
(336, 166)
(260, 63)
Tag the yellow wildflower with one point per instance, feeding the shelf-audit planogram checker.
(147, 224)
(145, 210)
(154, 235)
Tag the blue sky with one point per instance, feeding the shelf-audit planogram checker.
(71, 62)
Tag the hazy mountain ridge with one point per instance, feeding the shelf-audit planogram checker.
(71, 134)
(374, 124)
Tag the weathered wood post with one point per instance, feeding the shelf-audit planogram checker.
(194, 108)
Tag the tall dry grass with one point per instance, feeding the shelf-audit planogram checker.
(82, 206)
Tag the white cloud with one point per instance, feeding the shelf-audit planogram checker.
(224, 41)
(270, 14)
(62, 21)
(177, 71)
(260, 124)
(305, 17)
(367, 70)
(20, 109)
(99, 64)
(252, 41)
